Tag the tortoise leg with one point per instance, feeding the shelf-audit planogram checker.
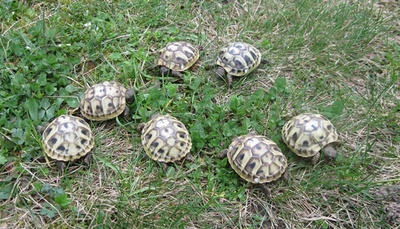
(264, 61)
(140, 127)
(222, 154)
(176, 73)
(220, 72)
(196, 65)
(61, 166)
(164, 70)
(265, 190)
(189, 158)
(330, 152)
(315, 158)
(286, 174)
(229, 78)
(87, 159)
(165, 166)
(126, 111)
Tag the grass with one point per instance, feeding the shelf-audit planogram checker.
(336, 58)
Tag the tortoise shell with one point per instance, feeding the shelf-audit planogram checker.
(306, 134)
(178, 56)
(165, 139)
(103, 101)
(67, 138)
(256, 158)
(239, 58)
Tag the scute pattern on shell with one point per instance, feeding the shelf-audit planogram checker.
(256, 158)
(306, 134)
(67, 138)
(166, 139)
(103, 101)
(178, 56)
(239, 58)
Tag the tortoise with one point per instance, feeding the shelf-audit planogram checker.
(68, 138)
(237, 59)
(256, 159)
(104, 101)
(177, 57)
(165, 139)
(306, 134)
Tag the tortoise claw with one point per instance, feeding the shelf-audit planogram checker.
(265, 190)
(315, 158)
(87, 159)
(176, 73)
(229, 78)
(222, 154)
(61, 166)
(126, 111)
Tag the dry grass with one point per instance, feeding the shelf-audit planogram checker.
(124, 189)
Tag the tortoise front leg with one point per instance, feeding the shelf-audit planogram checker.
(126, 111)
(176, 73)
(87, 159)
(229, 78)
(315, 158)
(265, 189)
(61, 166)
(164, 70)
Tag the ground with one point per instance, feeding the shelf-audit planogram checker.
(337, 58)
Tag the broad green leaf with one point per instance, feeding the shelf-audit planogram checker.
(170, 172)
(33, 108)
(5, 190)
(115, 56)
(280, 84)
(3, 159)
(73, 102)
(48, 212)
(63, 200)
(50, 33)
(42, 80)
(49, 89)
(70, 88)
(334, 110)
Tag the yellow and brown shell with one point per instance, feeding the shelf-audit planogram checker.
(239, 58)
(256, 158)
(67, 138)
(178, 56)
(165, 139)
(306, 134)
(103, 101)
